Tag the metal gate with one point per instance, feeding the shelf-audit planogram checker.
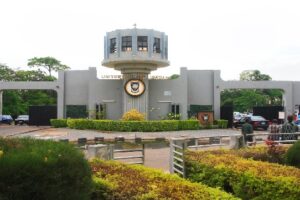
(41, 115)
(227, 113)
(122, 155)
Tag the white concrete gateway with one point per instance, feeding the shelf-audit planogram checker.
(137, 52)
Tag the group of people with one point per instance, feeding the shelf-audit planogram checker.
(274, 129)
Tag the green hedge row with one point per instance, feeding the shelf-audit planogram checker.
(222, 123)
(114, 180)
(39, 169)
(245, 178)
(128, 126)
(58, 123)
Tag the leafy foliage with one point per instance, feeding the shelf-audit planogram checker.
(16, 102)
(133, 115)
(38, 169)
(292, 155)
(59, 123)
(138, 182)
(48, 63)
(129, 126)
(222, 123)
(173, 116)
(245, 178)
(244, 100)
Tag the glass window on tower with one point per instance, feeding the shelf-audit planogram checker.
(142, 43)
(156, 45)
(126, 43)
(113, 45)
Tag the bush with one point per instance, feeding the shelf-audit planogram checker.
(268, 154)
(131, 126)
(293, 155)
(138, 182)
(58, 123)
(38, 169)
(80, 124)
(247, 179)
(133, 115)
(188, 125)
(222, 123)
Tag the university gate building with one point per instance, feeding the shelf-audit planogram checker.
(136, 53)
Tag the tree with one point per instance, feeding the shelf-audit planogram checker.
(243, 100)
(6, 74)
(48, 63)
(174, 76)
(16, 102)
(254, 75)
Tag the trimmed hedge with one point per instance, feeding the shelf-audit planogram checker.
(114, 180)
(188, 125)
(274, 154)
(222, 123)
(39, 169)
(58, 123)
(129, 126)
(247, 179)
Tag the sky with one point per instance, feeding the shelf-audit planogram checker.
(231, 36)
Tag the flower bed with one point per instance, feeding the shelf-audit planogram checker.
(245, 178)
(119, 181)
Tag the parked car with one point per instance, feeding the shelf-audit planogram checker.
(22, 119)
(256, 121)
(6, 119)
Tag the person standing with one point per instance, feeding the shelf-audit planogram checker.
(274, 129)
(246, 130)
(289, 127)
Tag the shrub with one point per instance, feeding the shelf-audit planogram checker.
(130, 126)
(58, 123)
(293, 155)
(133, 115)
(80, 124)
(38, 169)
(173, 116)
(222, 123)
(138, 182)
(247, 179)
(188, 125)
(269, 154)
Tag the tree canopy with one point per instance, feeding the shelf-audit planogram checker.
(254, 75)
(16, 102)
(48, 63)
(243, 100)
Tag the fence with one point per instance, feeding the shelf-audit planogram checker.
(109, 152)
(126, 157)
(179, 145)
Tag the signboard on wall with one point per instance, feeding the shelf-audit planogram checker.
(280, 115)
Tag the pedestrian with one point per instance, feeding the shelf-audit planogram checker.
(289, 127)
(246, 130)
(274, 129)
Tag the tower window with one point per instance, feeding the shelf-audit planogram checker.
(142, 43)
(156, 45)
(126, 43)
(113, 45)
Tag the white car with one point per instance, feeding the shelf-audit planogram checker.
(22, 119)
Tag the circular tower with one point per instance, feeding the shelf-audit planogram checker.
(135, 52)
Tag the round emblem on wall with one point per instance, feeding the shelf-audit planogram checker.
(134, 87)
